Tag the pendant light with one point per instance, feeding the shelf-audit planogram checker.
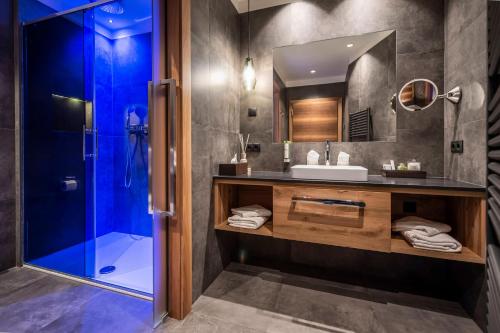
(249, 79)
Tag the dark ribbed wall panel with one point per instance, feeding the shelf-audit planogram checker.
(493, 261)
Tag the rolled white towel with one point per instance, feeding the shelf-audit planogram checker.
(428, 227)
(251, 211)
(440, 242)
(254, 222)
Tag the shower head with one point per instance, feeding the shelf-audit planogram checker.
(113, 8)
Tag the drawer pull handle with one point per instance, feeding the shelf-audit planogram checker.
(329, 202)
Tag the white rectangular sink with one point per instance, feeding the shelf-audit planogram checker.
(330, 172)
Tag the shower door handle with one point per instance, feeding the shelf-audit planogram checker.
(172, 154)
(96, 143)
(84, 148)
(86, 131)
(172, 163)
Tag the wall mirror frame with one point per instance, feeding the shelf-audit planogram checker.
(340, 89)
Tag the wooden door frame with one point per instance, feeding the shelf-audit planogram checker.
(178, 66)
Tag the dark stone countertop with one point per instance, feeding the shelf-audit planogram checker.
(373, 180)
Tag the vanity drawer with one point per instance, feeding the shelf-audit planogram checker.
(333, 216)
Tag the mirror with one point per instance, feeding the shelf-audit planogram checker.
(340, 89)
(418, 94)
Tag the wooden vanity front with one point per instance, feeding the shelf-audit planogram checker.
(349, 226)
(356, 215)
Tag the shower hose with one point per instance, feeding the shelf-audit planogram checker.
(130, 156)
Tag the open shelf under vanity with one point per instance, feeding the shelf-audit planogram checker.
(265, 230)
(463, 212)
(368, 227)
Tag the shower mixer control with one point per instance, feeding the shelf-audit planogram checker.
(138, 129)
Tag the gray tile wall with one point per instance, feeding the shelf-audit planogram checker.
(466, 66)
(371, 83)
(215, 123)
(7, 139)
(466, 62)
(420, 53)
(320, 90)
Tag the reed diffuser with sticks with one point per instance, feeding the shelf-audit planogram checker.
(243, 145)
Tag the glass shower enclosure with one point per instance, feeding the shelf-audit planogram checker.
(86, 91)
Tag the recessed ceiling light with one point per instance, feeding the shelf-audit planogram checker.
(110, 21)
(312, 71)
(350, 45)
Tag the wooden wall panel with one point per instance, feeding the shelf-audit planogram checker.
(315, 120)
(178, 57)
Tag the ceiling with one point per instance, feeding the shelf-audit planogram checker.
(329, 58)
(242, 5)
(135, 19)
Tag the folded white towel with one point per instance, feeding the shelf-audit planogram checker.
(440, 242)
(251, 211)
(428, 227)
(254, 222)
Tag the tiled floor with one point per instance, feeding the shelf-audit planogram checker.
(249, 299)
(32, 301)
(241, 299)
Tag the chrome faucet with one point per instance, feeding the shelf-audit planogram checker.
(327, 152)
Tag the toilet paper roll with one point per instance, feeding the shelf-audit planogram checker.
(69, 185)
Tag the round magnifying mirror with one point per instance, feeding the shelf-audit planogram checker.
(418, 94)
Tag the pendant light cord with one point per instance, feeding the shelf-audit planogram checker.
(248, 19)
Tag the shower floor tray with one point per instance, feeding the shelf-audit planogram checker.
(132, 257)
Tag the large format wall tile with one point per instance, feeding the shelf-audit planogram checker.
(466, 66)
(7, 138)
(215, 124)
(7, 234)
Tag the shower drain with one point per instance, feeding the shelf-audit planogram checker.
(107, 269)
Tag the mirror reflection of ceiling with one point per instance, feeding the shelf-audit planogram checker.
(324, 61)
(242, 5)
(114, 20)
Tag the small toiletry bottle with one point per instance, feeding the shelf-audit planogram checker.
(414, 165)
(286, 156)
(386, 167)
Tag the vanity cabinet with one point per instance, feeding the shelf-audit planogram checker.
(333, 216)
(356, 215)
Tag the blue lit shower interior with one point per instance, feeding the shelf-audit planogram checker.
(122, 71)
(114, 229)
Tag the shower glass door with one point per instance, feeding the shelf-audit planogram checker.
(56, 120)
(85, 143)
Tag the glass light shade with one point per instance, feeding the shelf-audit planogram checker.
(249, 79)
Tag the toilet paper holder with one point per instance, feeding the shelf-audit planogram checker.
(68, 184)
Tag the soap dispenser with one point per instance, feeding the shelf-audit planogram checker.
(286, 156)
